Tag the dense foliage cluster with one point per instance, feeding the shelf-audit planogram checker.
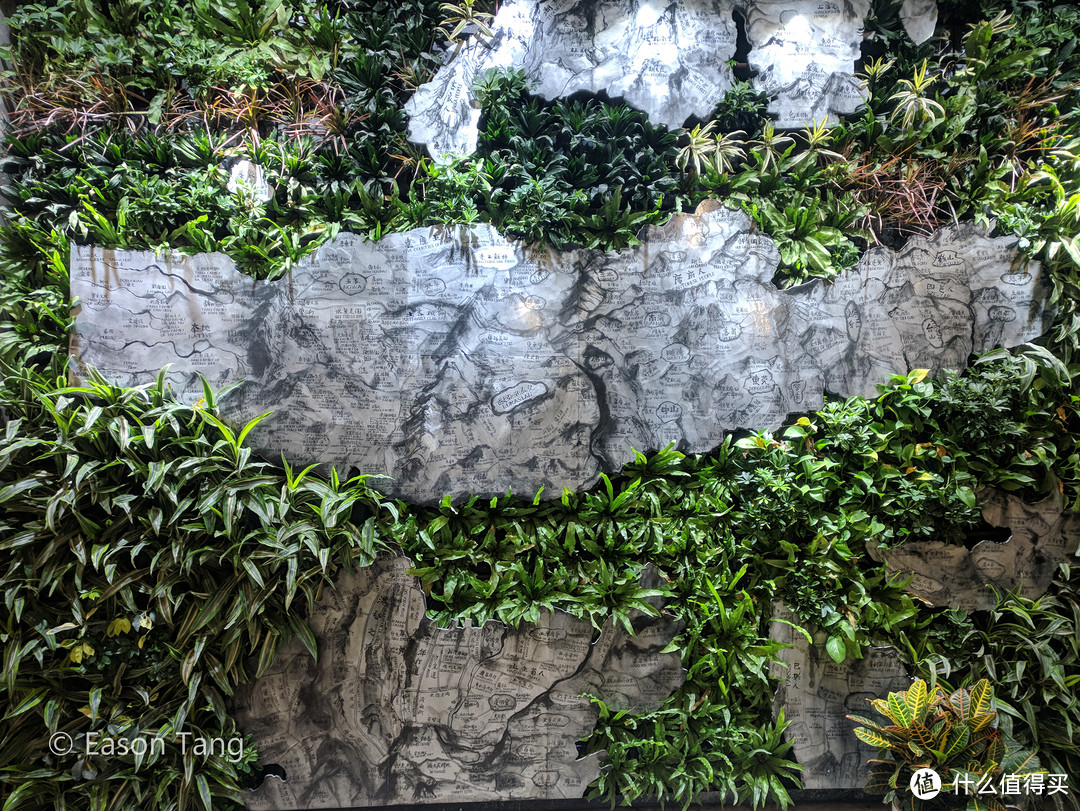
(958, 733)
(149, 564)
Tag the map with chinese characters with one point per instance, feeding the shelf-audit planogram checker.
(1042, 536)
(398, 711)
(816, 695)
(460, 362)
(667, 58)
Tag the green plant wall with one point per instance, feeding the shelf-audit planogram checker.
(149, 563)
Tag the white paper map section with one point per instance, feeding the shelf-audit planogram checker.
(398, 711)
(667, 58)
(463, 363)
(804, 52)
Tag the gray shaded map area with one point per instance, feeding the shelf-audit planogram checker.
(919, 18)
(667, 58)
(816, 694)
(398, 711)
(460, 362)
(1043, 536)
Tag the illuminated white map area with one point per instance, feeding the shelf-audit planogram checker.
(667, 58)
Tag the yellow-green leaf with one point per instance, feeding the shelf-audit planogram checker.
(982, 697)
(900, 712)
(120, 625)
(958, 741)
(917, 700)
(80, 652)
(982, 721)
(872, 738)
(882, 706)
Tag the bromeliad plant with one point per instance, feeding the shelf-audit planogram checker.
(959, 735)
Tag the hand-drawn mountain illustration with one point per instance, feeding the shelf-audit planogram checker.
(461, 362)
(398, 711)
(816, 695)
(667, 58)
(804, 52)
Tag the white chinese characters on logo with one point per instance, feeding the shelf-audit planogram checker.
(1009, 785)
(926, 784)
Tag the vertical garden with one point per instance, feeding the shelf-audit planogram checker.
(150, 562)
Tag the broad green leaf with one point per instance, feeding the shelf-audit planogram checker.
(836, 648)
(956, 743)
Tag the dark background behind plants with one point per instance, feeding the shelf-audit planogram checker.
(149, 563)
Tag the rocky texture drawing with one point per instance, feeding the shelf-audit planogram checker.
(804, 52)
(463, 363)
(667, 58)
(816, 694)
(397, 711)
(919, 18)
(1043, 536)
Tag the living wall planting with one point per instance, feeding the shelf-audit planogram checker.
(149, 563)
